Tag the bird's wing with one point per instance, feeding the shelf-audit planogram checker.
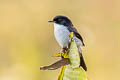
(73, 29)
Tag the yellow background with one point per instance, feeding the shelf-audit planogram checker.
(27, 41)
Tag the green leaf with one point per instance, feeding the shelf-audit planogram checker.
(72, 71)
(73, 55)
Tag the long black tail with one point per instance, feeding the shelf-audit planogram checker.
(82, 62)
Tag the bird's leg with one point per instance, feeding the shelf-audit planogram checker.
(63, 51)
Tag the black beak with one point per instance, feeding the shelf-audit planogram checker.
(50, 21)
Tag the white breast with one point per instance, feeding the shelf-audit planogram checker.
(61, 34)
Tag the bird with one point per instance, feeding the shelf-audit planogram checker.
(62, 28)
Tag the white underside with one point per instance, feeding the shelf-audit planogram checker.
(62, 36)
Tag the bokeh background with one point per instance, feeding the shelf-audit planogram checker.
(27, 40)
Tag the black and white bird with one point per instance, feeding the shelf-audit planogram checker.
(62, 28)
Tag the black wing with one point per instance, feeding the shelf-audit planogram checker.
(73, 29)
(82, 62)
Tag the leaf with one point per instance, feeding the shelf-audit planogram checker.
(74, 55)
(56, 65)
(69, 73)
(72, 71)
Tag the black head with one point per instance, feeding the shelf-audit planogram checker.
(62, 20)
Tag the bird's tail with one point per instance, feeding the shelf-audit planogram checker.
(82, 62)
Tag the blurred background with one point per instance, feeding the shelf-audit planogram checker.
(27, 40)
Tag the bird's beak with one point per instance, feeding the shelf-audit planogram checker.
(50, 21)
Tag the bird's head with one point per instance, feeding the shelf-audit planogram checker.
(61, 20)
